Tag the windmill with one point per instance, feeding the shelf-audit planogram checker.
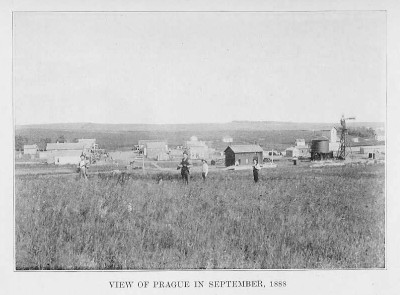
(344, 145)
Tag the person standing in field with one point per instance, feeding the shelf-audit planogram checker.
(185, 166)
(204, 169)
(83, 166)
(256, 169)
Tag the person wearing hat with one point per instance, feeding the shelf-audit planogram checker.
(185, 166)
(204, 169)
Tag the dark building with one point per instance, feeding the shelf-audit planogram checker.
(243, 154)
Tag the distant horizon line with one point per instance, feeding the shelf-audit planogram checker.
(198, 123)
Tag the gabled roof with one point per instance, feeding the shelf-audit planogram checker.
(156, 144)
(30, 146)
(145, 141)
(66, 153)
(89, 141)
(320, 138)
(66, 146)
(245, 148)
(195, 144)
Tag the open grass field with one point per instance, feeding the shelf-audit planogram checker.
(294, 218)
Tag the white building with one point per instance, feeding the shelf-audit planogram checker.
(227, 139)
(30, 149)
(300, 142)
(197, 149)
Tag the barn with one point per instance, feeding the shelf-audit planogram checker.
(242, 154)
(30, 149)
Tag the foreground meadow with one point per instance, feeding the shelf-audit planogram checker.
(294, 218)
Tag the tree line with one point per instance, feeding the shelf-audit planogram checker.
(20, 141)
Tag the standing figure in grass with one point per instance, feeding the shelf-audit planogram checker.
(256, 169)
(83, 166)
(185, 166)
(204, 169)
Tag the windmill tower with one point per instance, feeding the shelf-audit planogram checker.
(344, 145)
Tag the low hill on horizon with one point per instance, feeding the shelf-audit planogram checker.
(235, 125)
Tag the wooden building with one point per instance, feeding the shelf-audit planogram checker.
(155, 150)
(30, 149)
(243, 154)
(298, 151)
(196, 149)
(61, 153)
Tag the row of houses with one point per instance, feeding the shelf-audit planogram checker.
(63, 153)
(159, 150)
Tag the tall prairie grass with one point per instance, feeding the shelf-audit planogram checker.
(294, 218)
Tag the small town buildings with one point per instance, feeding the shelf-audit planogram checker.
(67, 157)
(197, 149)
(372, 149)
(89, 143)
(298, 151)
(69, 146)
(154, 149)
(61, 153)
(331, 134)
(243, 154)
(176, 153)
(30, 149)
(380, 134)
(334, 146)
(300, 142)
(227, 139)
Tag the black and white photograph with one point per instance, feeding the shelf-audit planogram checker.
(208, 141)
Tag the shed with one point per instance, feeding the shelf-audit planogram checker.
(30, 149)
(242, 154)
(372, 149)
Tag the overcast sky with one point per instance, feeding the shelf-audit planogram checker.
(198, 67)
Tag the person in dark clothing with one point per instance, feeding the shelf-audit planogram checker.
(256, 168)
(185, 166)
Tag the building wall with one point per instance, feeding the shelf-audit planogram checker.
(372, 149)
(229, 158)
(380, 137)
(155, 153)
(334, 146)
(247, 158)
(333, 135)
(242, 158)
(54, 156)
(198, 152)
(64, 160)
(292, 153)
(30, 151)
